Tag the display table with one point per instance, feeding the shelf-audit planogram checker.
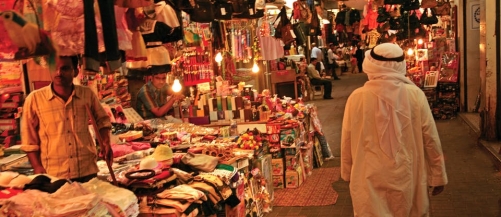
(283, 77)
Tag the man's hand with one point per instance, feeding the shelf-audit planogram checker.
(39, 170)
(178, 96)
(105, 146)
(437, 190)
(107, 153)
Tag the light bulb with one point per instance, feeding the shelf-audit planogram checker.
(176, 87)
(420, 41)
(255, 68)
(410, 51)
(219, 57)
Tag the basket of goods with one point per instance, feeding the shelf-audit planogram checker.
(250, 140)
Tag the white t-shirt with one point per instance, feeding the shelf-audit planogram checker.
(317, 53)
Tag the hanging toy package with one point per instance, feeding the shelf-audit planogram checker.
(449, 64)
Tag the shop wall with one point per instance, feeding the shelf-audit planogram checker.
(469, 40)
(37, 73)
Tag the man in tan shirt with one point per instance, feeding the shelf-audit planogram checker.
(315, 78)
(55, 127)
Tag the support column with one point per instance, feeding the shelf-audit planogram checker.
(488, 69)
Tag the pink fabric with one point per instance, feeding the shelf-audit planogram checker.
(68, 32)
(127, 148)
(136, 146)
(123, 33)
(121, 150)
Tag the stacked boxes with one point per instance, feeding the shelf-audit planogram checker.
(447, 104)
(10, 105)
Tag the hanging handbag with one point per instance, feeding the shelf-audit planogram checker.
(203, 12)
(314, 26)
(223, 10)
(429, 17)
(296, 10)
(393, 2)
(278, 33)
(443, 8)
(299, 29)
(240, 6)
(285, 28)
(253, 11)
(429, 3)
(411, 5)
(305, 15)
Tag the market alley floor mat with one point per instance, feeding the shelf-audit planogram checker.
(316, 190)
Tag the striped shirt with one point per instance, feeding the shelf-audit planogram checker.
(60, 130)
(150, 97)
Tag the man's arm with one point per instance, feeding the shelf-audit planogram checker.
(103, 124)
(162, 110)
(30, 143)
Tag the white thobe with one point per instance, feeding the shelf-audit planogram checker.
(389, 170)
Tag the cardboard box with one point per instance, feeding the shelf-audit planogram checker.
(277, 166)
(294, 179)
(291, 162)
(264, 164)
(238, 210)
(278, 181)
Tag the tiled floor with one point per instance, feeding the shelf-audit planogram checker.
(474, 187)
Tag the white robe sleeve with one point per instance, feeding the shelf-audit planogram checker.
(433, 148)
(346, 156)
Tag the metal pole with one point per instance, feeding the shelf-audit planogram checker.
(267, 75)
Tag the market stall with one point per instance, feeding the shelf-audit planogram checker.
(236, 141)
(426, 30)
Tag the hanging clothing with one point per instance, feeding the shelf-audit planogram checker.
(92, 59)
(158, 58)
(68, 31)
(123, 33)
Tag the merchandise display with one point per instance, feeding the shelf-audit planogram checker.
(238, 120)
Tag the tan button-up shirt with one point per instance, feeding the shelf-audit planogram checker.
(60, 131)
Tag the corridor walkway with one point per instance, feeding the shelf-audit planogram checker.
(474, 187)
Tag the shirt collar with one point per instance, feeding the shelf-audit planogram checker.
(51, 94)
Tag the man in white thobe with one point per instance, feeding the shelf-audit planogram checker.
(390, 148)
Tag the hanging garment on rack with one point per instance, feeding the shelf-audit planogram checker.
(158, 58)
(354, 16)
(92, 60)
(138, 51)
(123, 33)
(370, 16)
(164, 13)
(68, 32)
(271, 47)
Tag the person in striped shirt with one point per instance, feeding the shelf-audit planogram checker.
(155, 99)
